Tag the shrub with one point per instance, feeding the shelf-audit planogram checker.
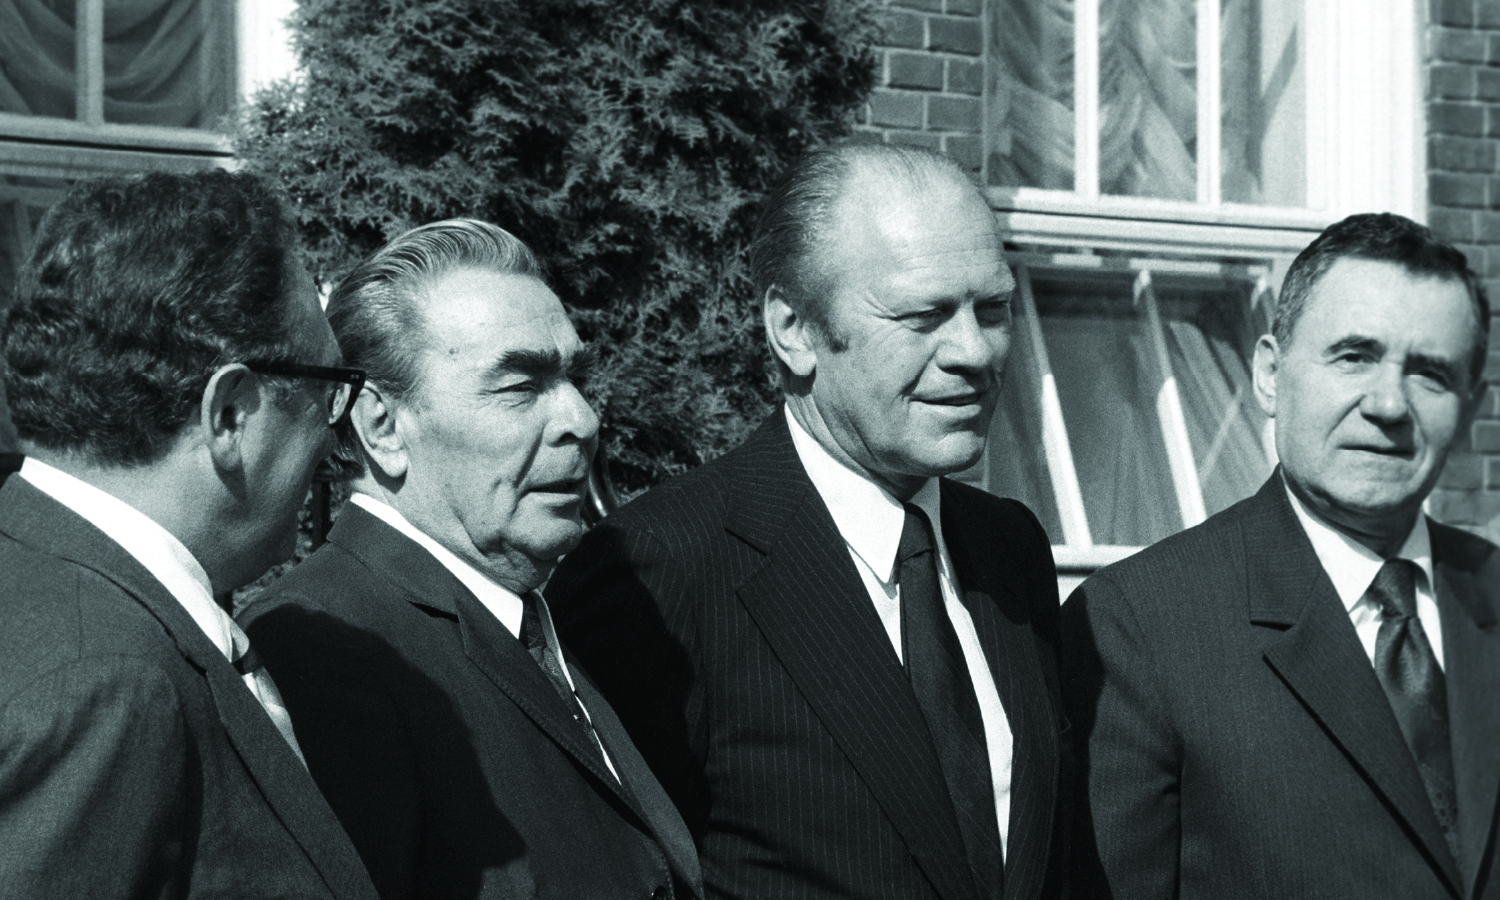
(628, 142)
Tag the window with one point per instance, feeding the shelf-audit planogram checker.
(1156, 165)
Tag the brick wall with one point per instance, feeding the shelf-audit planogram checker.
(1463, 192)
(930, 82)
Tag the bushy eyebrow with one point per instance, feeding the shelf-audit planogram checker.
(1413, 361)
(547, 364)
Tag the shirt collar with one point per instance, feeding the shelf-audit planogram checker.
(154, 547)
(868, 518)
(1352, 566)
(501, 601)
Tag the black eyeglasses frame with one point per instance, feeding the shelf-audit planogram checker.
(355, 378)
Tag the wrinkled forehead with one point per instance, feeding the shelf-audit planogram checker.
(470, 316)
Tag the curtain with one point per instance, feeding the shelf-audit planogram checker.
(1107, 387)
(1148, 98)
(1031, 53)
(1209, 341)
(166, 62)
(1263, 115)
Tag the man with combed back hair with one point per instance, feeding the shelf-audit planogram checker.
(1300, 697)
(173, 383)
(840, 662)
(455, 738)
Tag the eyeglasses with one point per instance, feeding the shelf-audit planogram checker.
(347, 383)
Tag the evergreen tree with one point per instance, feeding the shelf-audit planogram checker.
(628, 142)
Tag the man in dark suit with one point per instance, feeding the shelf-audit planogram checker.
(839, 663)
(157, 370)
(455, 740)
(1298, 698)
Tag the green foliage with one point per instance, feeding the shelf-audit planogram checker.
(628, 142)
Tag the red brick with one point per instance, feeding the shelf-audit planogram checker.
(965, 76)
(1451, 81)
(924, 5)
(1495, 49)
(904, 29)
(1460, 154)
(1492, 120)
(951, 113)
(867, 136)
(955, 35)
(916, 139)
(1488, 83)
(965, 149)
(1455, 118)
(895, 109)
(1489, 14)
(965, 7)
(915, 70)
(1455, 189)
(1492, 366)
(1453, 12)
(1488, 227)
(1486, 437)
(1452, 225)
(1457, 45)
(1492, 473)
(1464, 472)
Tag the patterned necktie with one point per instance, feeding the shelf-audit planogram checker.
(945, 692)
(258, 680)
(1414, 684)
(534, 639)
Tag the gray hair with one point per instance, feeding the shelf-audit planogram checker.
(376, 310)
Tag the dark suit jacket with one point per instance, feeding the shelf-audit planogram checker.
(727, 624)
(133, 760)
(441, 745)
(1238, 743)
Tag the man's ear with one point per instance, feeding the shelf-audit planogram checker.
(378, 428)
(789, 334)
(231, 396)
(1263, 373)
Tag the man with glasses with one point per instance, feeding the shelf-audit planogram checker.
(172, 381)
(462, 749)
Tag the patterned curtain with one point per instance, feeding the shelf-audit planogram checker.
(166, 62)
(1148, 98)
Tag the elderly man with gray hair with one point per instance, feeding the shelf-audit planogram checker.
(463, 752)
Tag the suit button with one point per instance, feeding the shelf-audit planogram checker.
(660, 893)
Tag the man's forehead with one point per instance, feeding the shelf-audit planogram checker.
(475, 316)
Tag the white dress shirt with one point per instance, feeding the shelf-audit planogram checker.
(502, 602)
(170, 563)
(870, 521)
(1352, 568)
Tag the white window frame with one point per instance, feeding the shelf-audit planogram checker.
(1365, 130)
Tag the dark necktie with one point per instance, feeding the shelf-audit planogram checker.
(940, 678)
(534, 638)
(1414, 685)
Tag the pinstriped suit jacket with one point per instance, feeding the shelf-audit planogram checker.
(1237, 741)
(724, 620)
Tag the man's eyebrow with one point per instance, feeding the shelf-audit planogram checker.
(1354, 342)
(544, 364)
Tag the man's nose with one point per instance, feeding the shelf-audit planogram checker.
(1385, 397)
(574, 418)
(968, 345)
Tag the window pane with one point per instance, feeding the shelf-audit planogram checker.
(167, 62)
(1148, 98)
(1017, 459)
(1264, 95)
(1210, 339)
(36, 57)
(1030, 49)
(1105, 383)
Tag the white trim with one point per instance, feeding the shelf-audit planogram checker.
(61, 161)
(1086, 559)
(108, 135)
(1209, 100)
(1039, 200)
(1169, 414)
(1086, 100)
(1151, 237)
(88, 61)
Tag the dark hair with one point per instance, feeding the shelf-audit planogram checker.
(135, 290)
(791, 247)
(376, 314)
(1381, 237)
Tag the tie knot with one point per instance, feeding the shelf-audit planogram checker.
(247, 663)
(916, 534)
(1394, 588)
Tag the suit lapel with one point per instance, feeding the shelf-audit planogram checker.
(36, 519)
(1310, 642)
(809, 603)
(644, 792)
(985, 573)
(493, 650)
(1468, 590)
